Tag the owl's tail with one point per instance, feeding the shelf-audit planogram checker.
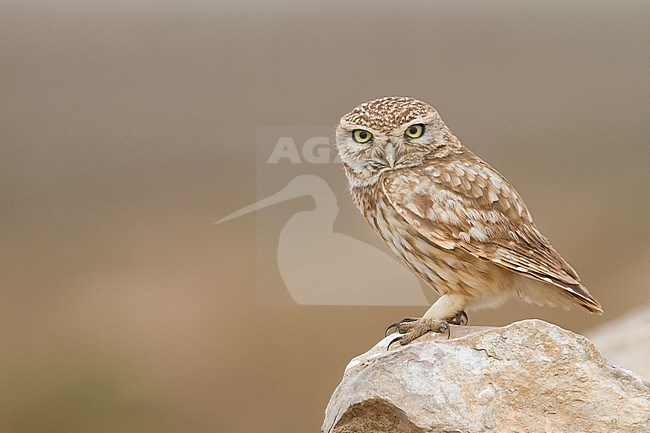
(583, 297)
(560, 294)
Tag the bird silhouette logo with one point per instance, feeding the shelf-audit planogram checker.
(322, 267)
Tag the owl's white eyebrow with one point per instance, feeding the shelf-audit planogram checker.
(353, 126)
(417, 121)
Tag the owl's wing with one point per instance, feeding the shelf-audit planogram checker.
(462, 202)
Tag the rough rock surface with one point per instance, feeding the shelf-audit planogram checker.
(529, 376)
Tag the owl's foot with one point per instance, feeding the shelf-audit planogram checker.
(414, 328)
(459, 319)
(396, 325)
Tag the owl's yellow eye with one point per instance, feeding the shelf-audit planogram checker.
(415, 131)
(361, 136)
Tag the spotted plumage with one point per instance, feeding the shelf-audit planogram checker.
(452, 218)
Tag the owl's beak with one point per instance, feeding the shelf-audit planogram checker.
(389, 153)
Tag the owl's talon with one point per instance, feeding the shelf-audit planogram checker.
(394, 340)
(396, 325)
(443, 326)
(391, 326)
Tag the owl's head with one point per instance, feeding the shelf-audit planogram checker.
(390, 133)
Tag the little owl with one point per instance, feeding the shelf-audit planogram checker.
(448, 215)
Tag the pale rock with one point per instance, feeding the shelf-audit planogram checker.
(626, 340)
(530, 376)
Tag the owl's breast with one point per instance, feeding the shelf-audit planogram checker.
(444, 270)
(383, 218)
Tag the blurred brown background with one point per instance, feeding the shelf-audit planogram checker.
(129, 128)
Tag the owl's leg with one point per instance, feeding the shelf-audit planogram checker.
(448, 308)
